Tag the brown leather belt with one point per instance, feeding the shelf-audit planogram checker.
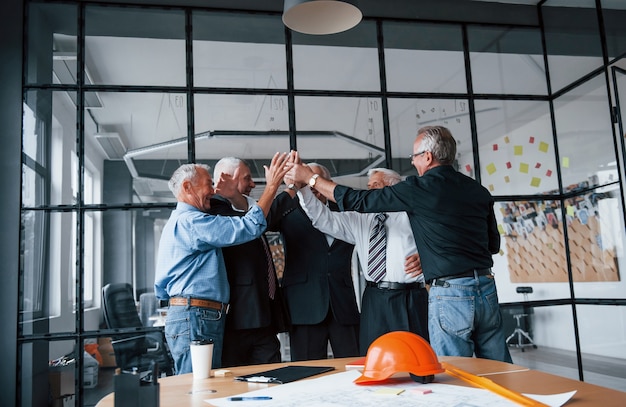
(198, 302)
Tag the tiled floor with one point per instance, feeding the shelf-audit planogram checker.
(603, 371)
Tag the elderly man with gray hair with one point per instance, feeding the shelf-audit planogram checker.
(395, 298)
(190, 271)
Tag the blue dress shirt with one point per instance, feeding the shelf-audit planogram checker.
(190, 261)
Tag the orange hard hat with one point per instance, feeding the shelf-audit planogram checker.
(400, 351)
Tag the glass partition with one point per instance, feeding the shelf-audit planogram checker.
(344, 61)
(348, 141)
(407, 116)
(411, 52)
(613, 14)
(603, 356)
(238, 51)
(128, 128)
(572, 40)
(52, 46)
(47, 272)
(585, 135)
(121, 53)
(517, 154)
(507, 60)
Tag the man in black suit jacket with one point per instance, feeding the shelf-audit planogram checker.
(317, 282)
(254, 318)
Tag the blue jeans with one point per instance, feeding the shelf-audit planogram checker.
(464, 319)
(184, 324)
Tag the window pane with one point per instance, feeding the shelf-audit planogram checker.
(348, 141)
(407, 116)
(49, 131)
(596, 240)
(46, 375)
(614, 14)
(344, 61)
(507, 60)
(238, 51)
(585, 134)
(131, 126)
(572, 40)
(51, 45)
(47, 269)
(129, 53)
(552, 329)
(130, 240)
(602, 344)
(516, 147)
(412, 51)
(251, 127)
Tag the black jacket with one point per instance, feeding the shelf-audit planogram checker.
(316, 276)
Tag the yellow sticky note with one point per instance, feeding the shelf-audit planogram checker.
(570, 210)
(535, 181)
(491, 168)
(491, 188)
(565, 162)
(507, 179)
(543, 147)
(501, 229)
(523, 168)
(518, 150)
(506, 139)
(389, 390)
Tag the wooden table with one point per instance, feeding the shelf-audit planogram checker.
(182, 390)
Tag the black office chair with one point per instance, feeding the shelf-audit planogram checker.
(133, 350)
(523, 338)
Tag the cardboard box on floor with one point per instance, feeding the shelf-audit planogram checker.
(61, 381)
(106, 351)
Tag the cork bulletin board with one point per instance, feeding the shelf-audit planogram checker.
(535, 242)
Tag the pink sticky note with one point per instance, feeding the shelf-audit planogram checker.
(422, 391)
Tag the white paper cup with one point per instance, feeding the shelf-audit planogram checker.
(201, 359)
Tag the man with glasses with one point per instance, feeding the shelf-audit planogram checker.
(454, 225)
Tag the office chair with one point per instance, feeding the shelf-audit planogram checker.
(518, 332)
(133, 349)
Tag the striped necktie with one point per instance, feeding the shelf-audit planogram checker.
(376, 260)
(271, 270)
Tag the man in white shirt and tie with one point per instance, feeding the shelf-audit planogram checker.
(395, 297)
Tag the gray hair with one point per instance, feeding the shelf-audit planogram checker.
(325, 172)
(186, 172)
(226, 165)
(439, 141)
(390, 177)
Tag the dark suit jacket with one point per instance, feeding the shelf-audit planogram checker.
(316, 276)
(246, 266)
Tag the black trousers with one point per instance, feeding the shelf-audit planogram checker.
(250, 347)
(384, 310)
(310, 342)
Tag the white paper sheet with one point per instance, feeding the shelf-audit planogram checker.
(338, 390)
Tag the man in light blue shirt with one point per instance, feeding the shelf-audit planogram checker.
(190, 266)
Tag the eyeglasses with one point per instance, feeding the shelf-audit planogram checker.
(412, 156)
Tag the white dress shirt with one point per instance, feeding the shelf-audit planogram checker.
(354, 228)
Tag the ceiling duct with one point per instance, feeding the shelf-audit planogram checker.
(112, 145)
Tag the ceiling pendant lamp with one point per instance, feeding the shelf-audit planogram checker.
(321, 17)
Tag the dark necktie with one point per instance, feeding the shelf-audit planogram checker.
(271, 270)
(376, 267)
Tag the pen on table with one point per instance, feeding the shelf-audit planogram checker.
(243, 398)
(491, 386)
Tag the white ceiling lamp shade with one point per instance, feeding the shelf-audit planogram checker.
(319, 17)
